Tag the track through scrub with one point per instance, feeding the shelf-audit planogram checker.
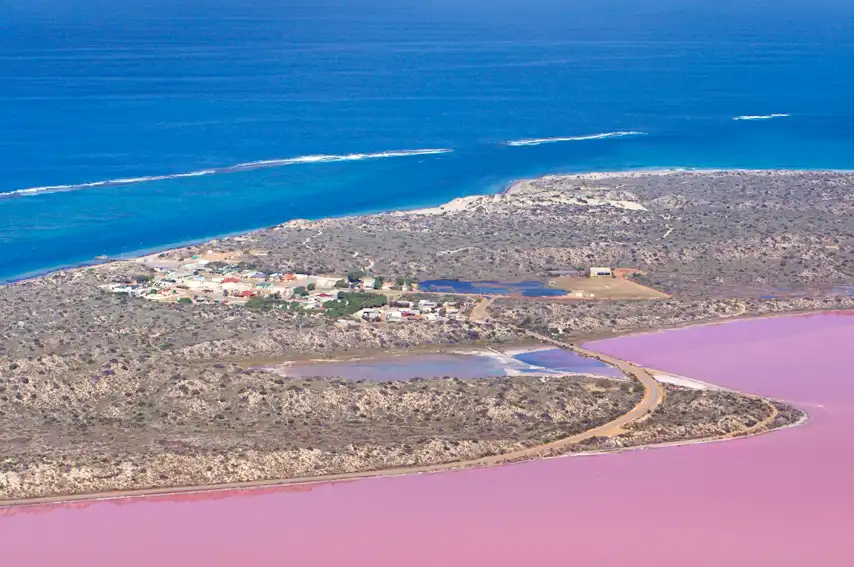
(652, 398)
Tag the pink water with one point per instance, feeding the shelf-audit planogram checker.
(782, 499)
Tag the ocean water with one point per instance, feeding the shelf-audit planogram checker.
(411, 103)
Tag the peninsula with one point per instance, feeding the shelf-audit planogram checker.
(164, 373)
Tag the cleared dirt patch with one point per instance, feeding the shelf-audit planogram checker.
(617, 287)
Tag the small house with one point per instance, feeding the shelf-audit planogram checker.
(598, 272)
(371, 315)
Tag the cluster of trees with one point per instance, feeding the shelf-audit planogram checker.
(303, 290)
(260, 303)
(349, 303)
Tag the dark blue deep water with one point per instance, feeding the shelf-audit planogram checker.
(96, 91)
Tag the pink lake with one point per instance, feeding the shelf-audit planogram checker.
(783, 499)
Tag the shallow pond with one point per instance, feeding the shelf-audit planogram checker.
(476, 364)
(526, 289)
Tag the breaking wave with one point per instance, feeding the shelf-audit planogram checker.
(761, 117)
(539, 141)
(320, 158)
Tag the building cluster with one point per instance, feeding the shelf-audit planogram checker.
(423, 310)
(199, 281)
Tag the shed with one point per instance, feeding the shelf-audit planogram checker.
(597, 272)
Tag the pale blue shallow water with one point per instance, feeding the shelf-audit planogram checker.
(94, 92)
(473, 365)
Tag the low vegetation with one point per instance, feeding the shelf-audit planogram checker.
(101, 390)
(233, 425)
(724, 234)
(688, 415)
(349, 303)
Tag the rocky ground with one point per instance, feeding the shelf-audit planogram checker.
(580, 320)
(235, 425)
(724, 234)
(688, 414)
(100, 391)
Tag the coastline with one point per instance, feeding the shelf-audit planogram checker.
(507, 188)
(251, 486)
(294, 234)
(519, 457)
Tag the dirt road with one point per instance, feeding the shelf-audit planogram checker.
(480, 313)
(653, 396)
(653, 390)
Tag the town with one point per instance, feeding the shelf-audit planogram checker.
(354, 296)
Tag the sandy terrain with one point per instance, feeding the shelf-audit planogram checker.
(607, 288)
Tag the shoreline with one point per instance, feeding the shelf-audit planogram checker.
(708, 323)
(501, 460)
(403, 471)
(505, 356)
(133, 255)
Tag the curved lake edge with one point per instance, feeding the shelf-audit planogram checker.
(252, 486)
(7, 506)
(262, 485)
(627, 333)
(532, 344)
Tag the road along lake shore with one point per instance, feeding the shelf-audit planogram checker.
(795, 477)
(604, 438)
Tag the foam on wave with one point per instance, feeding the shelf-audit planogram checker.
(320, 158)
(761, 116)
(539, 141)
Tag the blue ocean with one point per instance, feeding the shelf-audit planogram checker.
(135, 126)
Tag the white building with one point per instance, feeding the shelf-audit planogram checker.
(597, 272)
(324, 282)
(372, 315)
